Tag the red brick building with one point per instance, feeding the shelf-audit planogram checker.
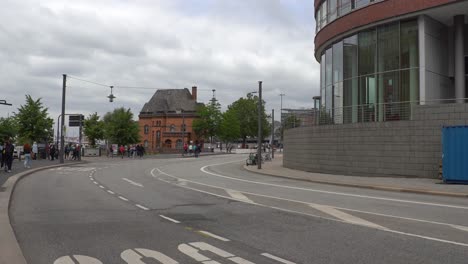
(165, 121)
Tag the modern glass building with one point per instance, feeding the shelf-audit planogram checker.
(380, 57)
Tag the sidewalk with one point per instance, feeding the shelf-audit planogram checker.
(412, 185)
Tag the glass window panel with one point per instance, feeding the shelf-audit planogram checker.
(329, 98)
(389, 96)
(338, 62)
(332, 10)
(409, 44)
(361, 3)
(350, 100)
(409, 85)
(322, 80)
(367, 50)
(367, 98)
(328, 67)
(338, 103)
(324, 13)
(345, 7)
(350, 56)
(318, 19)
(388, 46)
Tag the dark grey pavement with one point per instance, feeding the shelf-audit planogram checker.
(182, 208)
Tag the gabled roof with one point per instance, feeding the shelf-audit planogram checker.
(170, 100)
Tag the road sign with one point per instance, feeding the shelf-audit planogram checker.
(75, 120)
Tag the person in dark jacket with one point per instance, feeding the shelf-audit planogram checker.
(9, 149)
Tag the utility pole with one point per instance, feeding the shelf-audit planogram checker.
(259, 140)
(272, 133)
(62, 138)
(80, 137)
(281, 118)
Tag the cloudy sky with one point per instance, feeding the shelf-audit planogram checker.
(227, 45)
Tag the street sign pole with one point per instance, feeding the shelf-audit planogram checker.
(62, 137)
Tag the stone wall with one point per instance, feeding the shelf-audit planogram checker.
(396, 148)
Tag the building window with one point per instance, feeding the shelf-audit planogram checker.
(168, 143)
(158, 123)
(146, 143)
(172, 128)
(146, 129)
(179, 144)
(344, 7)
(332, 10)
(158, 138)
(183, 128)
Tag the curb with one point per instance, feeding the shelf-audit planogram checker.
(10, 251)
(364, 186)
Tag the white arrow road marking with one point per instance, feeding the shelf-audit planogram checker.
(277, 258)
(463, 228)
(132, 182)
(169, 219)
(344, 216)
(214, 236)
(238, 195)
(81, 260)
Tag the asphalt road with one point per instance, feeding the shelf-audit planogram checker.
(209, 210)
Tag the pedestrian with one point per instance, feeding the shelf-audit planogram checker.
(111, 152)
(34, 151)
(67, 151)
(52, 152)
(185, 149)
(197, 150)
(134, 152)
(129, 151)
(47, 151)
(9, 149)
(27, 155)
(2, 154)
(122, 151)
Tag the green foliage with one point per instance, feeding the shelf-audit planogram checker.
(33, 121)
(93, 128)
(230, 126)
(209, 121)
(8, 128)
(246, 110)
(120, 128)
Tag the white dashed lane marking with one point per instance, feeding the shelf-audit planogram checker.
(123, 198)
(111, 192)
(277, 258)
(132, 182)
(100, 186)
(214, 236)
(95, 182)
(141, 207)
(169, 219)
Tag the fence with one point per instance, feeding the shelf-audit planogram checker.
(364, 113)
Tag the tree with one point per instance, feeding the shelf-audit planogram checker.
(230, 127)
(246, 110)
(120, 128)
(8, 128)
(93, 128)
(208, 123)
(34, 123)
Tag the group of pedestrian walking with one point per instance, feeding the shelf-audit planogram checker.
(132, 151)
(192, 149)
(72, 151)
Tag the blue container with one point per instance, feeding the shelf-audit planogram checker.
(455, 154)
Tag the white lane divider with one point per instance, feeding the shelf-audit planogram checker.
(95, 182)
(100, 186)
(81, 259)
(132, 182)
(123, 198)
(111, 192)
(344, 216)
(277, 258)
(142, 207)
(169, 219)
(238, 196)
(214, 236)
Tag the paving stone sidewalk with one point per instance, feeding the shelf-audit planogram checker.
(401, 184)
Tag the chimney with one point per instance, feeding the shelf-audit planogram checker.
(194, 93)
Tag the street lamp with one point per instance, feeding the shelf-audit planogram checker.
(111, 96)
(259, 139)
(181, 111)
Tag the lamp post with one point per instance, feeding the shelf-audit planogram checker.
(281, 117)
(259, 139)
(62, 137)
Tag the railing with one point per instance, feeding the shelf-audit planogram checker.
(382, 112)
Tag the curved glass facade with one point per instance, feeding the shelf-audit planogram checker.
(364, 76)
(330, 10)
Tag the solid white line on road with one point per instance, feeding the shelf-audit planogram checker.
(95, 182)
(238, 260)
(142, 207)
(214, 236)
(123, 198)
(344, 216)
(297, 212)
(203, 169)
(132, 182)
(100, 186)
(238, 196)
(277, 258)
(169, 219)
(111, 192)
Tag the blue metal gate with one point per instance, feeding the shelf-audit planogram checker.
(455, 154)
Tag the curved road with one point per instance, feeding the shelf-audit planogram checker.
(209, 210)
